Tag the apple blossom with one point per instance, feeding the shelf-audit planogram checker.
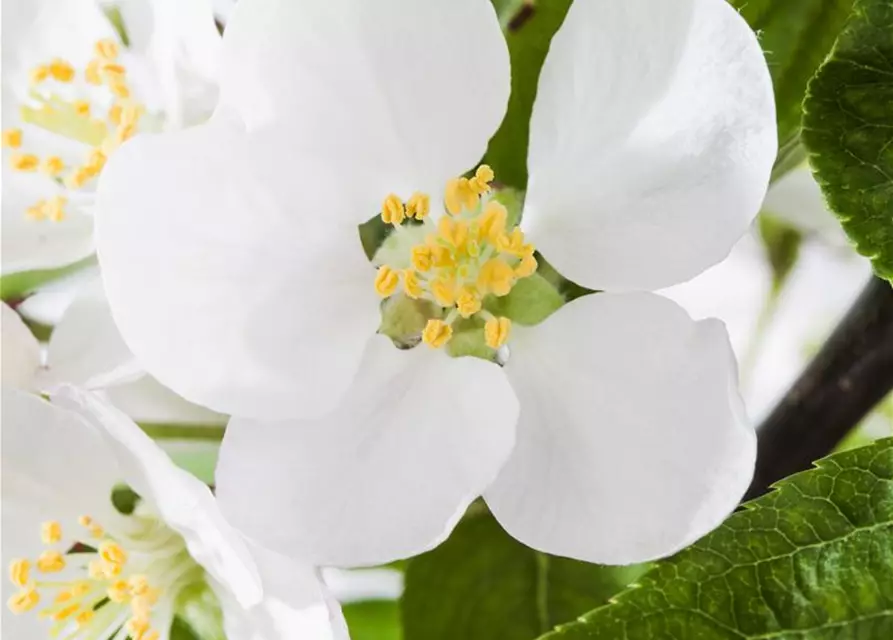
(81, 568)
(611, 431)
(72, 93)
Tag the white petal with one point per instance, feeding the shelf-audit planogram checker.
(179, 46)
(53, 463)
(410, 91)
(219, 286)
(182, 501)
(651, 141)
(296, 604)
(385, 476)
(632, 441)
(28, 244)
(19, 351)
(85, 348)
(147, 400)
(36, 31)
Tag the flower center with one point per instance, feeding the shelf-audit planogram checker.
(471, 255)
(104, 87)
(98, 584)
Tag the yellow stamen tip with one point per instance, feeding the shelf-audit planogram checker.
(23, 601)
(411, 285)
(61, 70)
(421, 258)
(418, 206)
(50, 532)
(12, 138)
(107, 49)
(24, 161)
(112, 553)
(468, 303)
(497, 331)
(52, 165)
(386, 281)
(437, 333)
(19, 572)
(50, 562)
(392, 210)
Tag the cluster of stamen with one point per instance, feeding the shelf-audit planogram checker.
(99, 591)
(471, 255)
(75, 120)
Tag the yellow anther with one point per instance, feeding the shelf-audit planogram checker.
(12, 138)
(142, 605)
(468, 303)
(526, 267)
(120, 89)
(411, 285)
(78, 179)
(497, 331)
(101, 570)
(85, 521)
(50, 562)
(418, 206)
(444, 292)
(484, 174)
(92, 72)
(39, 74)
(496, 277)
(55, 208)
(442, 257)
(492, 222)
(392, 210)
(514, 244)
(480, 183)
(24, 162)
(136, 627)
(61, 70)
(66, 612)
(459, 195)
(437, 333)
(124, 132)
(386, 281)
(96, 160)
(119, 591)
(107, 49)
(115, 112)
(23, 601)
(113, 71)
(80, 588)
(84, 618)
(50, 532)
(19, 572)
(421, 257)
(138, 584)
(52, 165)
(36, 211)
(453, 232)
(81, 107)
(112, 553)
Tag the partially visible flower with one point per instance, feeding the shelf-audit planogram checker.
(78, 567)
(73, 92)
(85, 349)
(651, 143)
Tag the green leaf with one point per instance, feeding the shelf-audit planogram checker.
(482, 584)
(812, 560)
(848, 130)
(373, 620)
(796, 36)
(529, 26)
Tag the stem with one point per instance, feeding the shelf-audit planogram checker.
(848, 377)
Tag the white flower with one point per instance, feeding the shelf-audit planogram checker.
(614, 430)
(80, 568)
(72, 93)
